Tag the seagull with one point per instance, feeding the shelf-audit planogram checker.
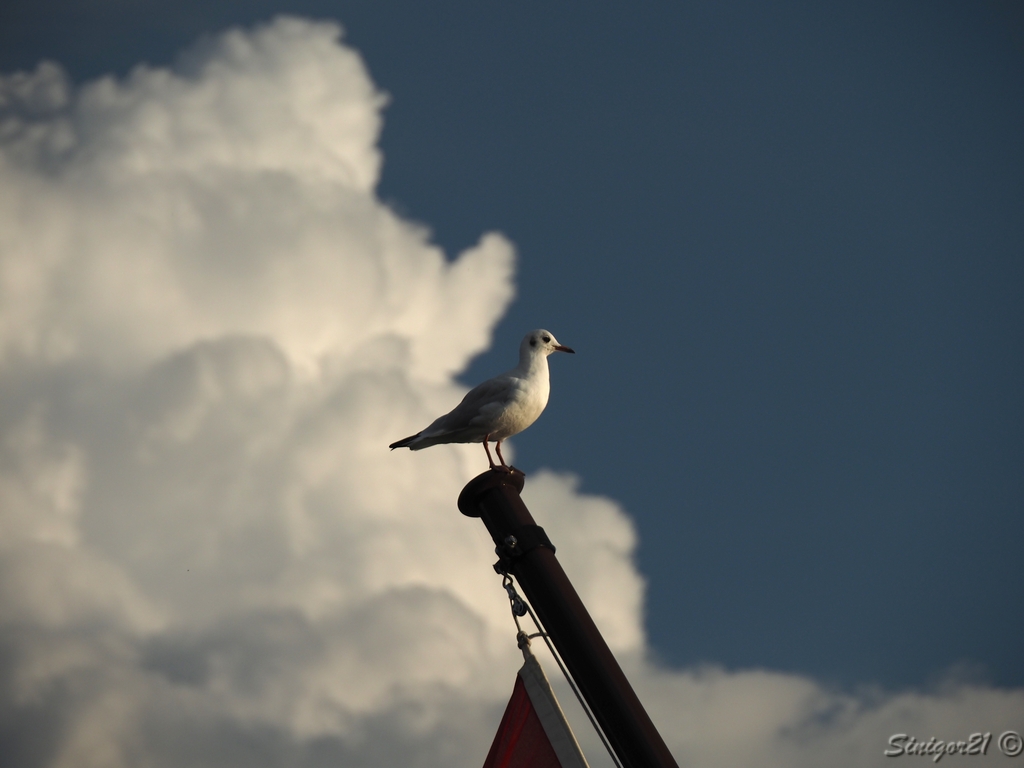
(500, 407)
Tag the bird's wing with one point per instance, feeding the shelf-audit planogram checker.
(480, 405)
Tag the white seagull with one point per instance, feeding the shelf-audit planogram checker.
(500, 407)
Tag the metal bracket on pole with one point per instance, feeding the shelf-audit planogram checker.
(524, 539)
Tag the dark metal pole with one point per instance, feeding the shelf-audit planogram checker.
(525, 552)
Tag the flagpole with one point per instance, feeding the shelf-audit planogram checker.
(525, 552)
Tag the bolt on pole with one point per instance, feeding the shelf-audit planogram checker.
(525, 552)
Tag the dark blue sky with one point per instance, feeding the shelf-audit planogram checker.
(787, 244)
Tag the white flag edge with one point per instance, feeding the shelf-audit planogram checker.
(550, 714)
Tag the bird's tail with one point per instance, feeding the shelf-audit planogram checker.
(404, 442)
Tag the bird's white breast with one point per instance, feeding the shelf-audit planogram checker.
(529, 398)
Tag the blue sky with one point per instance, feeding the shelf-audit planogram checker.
(786, 244)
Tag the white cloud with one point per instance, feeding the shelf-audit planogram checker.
(210, 330)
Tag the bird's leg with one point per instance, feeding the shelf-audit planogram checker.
(497, 448)
(488, 450)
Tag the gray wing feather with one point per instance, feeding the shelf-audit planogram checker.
(469, 421)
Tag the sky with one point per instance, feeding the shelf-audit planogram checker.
(239, 256)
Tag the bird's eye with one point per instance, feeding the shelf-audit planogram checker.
(547, 339)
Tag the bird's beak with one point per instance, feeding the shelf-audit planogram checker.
(560, 348)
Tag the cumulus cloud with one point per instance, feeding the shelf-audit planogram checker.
(210, 330)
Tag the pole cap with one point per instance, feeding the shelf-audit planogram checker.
(481, 484)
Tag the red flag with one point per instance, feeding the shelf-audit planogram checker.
(533, 731)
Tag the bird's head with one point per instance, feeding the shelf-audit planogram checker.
(541, 342)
